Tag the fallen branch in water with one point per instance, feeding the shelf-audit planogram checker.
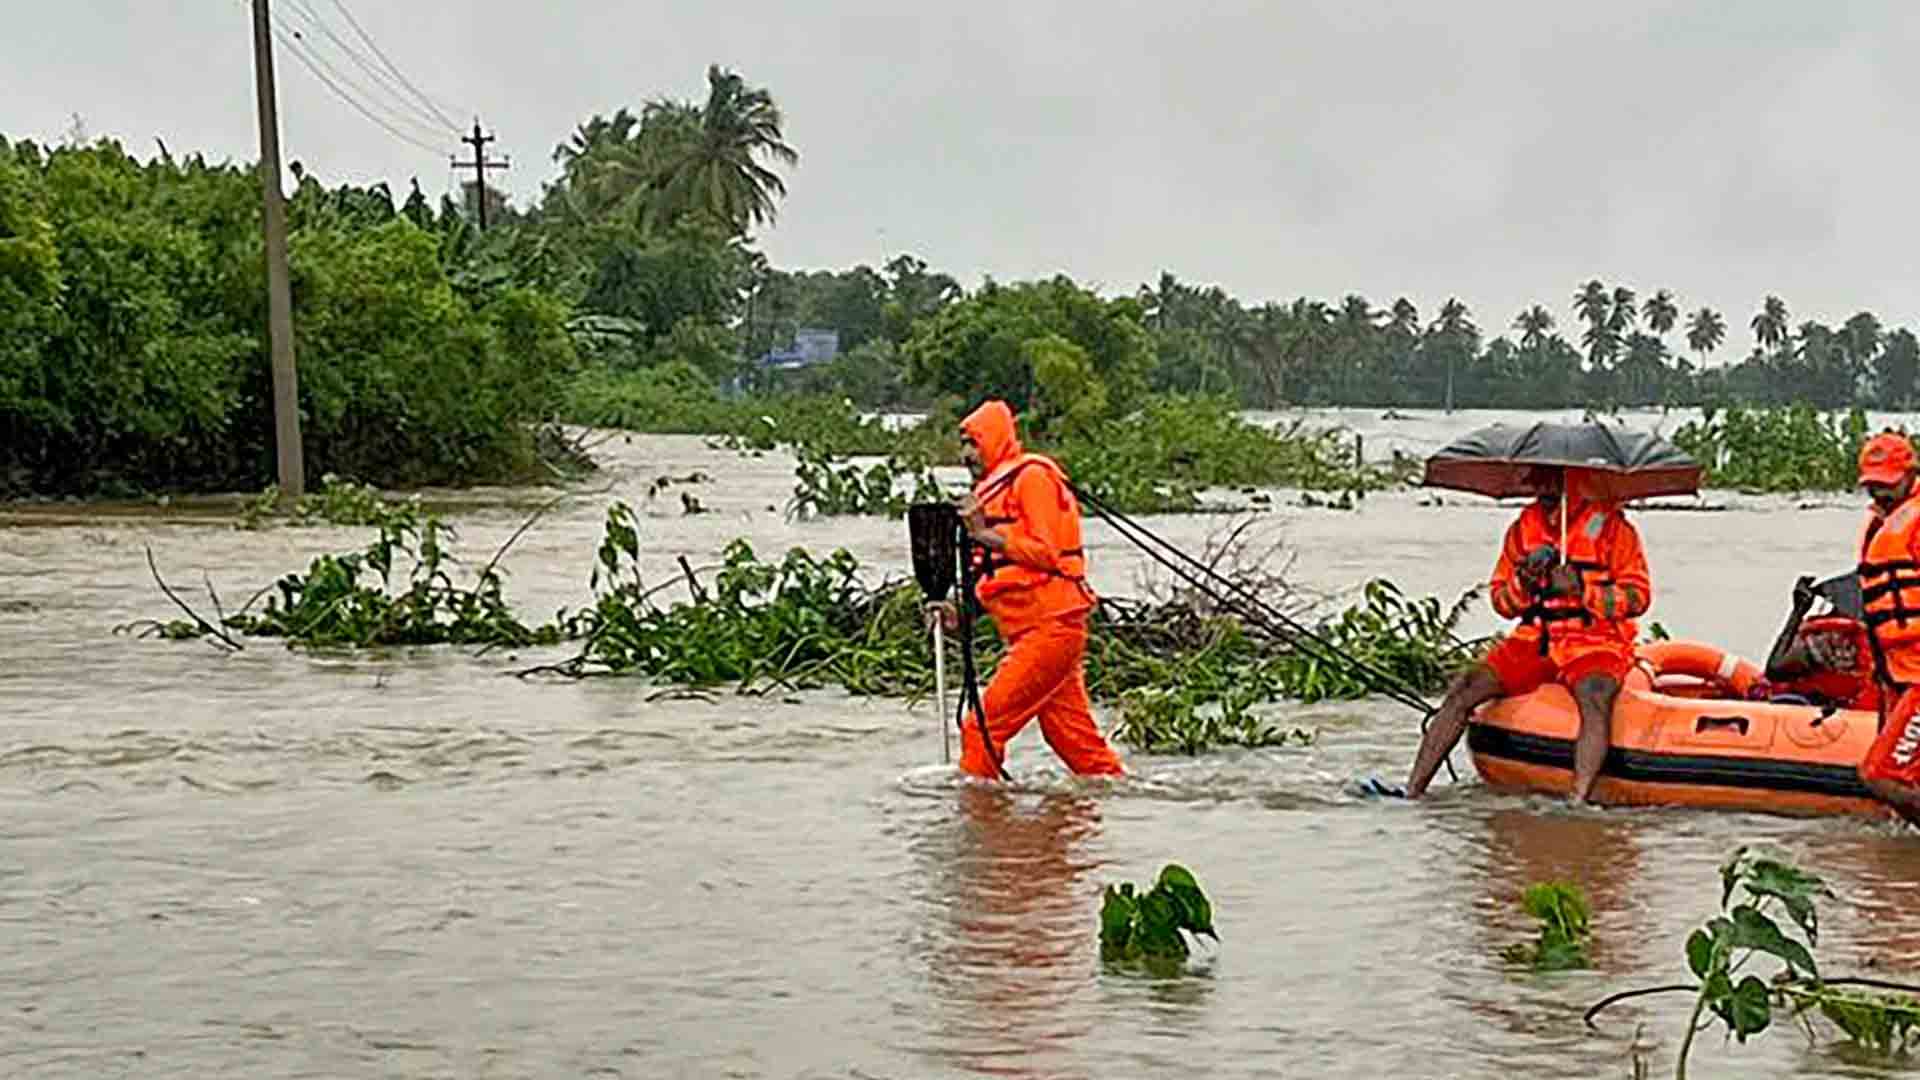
(205, 626)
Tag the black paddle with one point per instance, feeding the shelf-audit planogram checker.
(939, 553)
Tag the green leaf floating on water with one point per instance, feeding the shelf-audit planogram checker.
(1145, 929)
(1563, 912)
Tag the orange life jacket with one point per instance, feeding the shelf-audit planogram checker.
(1041, 575)
(1586, 553)
(998, 574)
(1852, 689)
(1890, 595)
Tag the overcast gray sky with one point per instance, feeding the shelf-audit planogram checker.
(1502, 152)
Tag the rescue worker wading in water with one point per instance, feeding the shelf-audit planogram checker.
(1890, 598)
(1032, 581)
(1584, 608)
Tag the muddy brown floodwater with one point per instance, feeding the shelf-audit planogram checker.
(408, 864)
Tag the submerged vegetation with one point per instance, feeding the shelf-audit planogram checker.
(1147, 929)
(1749, 930)
(1562, 910)
(1186, 678)
(351, 600)
(1779, 449)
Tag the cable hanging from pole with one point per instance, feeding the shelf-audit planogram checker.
(290, 37)
(386, 83)
(424, 98)
(293, 46)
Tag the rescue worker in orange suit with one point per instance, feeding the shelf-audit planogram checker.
(1576, 610)
(1828, 659)
(1890, 599)
(1032, 581)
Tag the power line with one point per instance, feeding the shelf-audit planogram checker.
(428, 120)
(293, 46)
(404, 81)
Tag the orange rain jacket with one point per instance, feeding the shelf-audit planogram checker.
(1604, 547)
(1041, 575)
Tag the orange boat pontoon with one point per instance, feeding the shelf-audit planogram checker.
(1677, 741)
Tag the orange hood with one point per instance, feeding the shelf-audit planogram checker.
(992, 430)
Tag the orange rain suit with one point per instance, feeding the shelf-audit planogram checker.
(1890, 595)
(1591, 633)
(1037, 594)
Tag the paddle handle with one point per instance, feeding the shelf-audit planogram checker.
(940, 689)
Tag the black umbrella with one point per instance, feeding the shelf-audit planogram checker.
(1614, 464)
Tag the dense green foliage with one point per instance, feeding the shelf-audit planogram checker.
(349, 600)
(631, 294)
(1625, 351)
(1782, 449)
(1147, 928)
(133, 355)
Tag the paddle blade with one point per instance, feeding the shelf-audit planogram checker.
(933, 530)
(1843, 592)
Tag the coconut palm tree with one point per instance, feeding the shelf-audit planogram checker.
(1624, 315)
(1533, 325)
(1405, 318)
(1595, 306)
(1705, 331)
(705, 160)
(1661, 313)
(1770, 325)
(1456, 334)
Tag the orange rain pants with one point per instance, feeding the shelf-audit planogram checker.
(1895, 755)
(1042, 675)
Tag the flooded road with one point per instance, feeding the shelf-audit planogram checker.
(409, 864)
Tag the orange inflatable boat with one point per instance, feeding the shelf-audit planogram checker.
(1685, 735)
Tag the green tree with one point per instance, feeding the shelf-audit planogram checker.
(1533, 325)
(1770, 325)
(1896, 368)
(1595, 307)
(1705, 331)
(709, 159)
(1661, 313)
(985, 344)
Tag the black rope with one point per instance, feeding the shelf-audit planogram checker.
(969, 668)
(1263, 616)
(1252, 608)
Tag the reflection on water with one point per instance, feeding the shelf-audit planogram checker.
(1008, 879)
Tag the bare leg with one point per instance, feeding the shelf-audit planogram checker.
(1474, 688)
(1904, 799)
(1595, 695)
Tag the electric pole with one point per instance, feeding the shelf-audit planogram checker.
(479, 165)
(286, 385)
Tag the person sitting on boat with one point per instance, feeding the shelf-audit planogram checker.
(1890, 602)
(1033, 583)
(1826, 660)
(1575, 607)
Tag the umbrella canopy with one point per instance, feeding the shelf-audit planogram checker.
(1613, 463)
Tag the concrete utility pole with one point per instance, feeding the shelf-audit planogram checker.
(480, 165)
(286, 383)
